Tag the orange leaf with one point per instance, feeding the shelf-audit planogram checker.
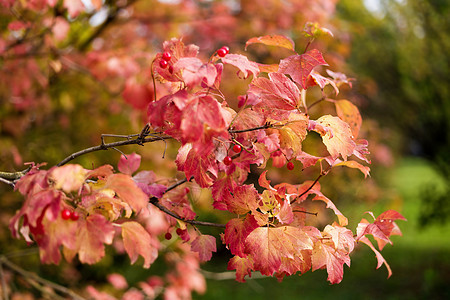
(205, 245)
(272, 40)
(137, 241)
(337, 136)
(349, 113)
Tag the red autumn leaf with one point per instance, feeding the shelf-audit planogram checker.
(129, 164)
(243, 267)
(242, 199)
(361, 150)
(221, 188)
(193, 163)
(336, 135)
(349, 113)
(127, 190)
(45, 202)
(277, 92)
(202, 115)
(269, 246)
(137, 241)
(204, 245)
(285, 214)
(67, 178)
(380, 258)
(56, 232)
(321, 81)
(242, 63)
(272, 40)
(342, 237)
(293, 133)
(300, 66)
(324, 255)
(236, 231)
(382, 228)
(101, 172)
(194, 71)
(92, 233)
(307, 160)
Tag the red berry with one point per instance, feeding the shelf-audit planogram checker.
(168, 236)
(171, 69)
(163, 64)
(166, 56)
(187, 190)
(222, 52)
(227, 50)
(179, 231)
(237, 148)
(290, 165)
(227, 160)
(65, 214)
(74, 216)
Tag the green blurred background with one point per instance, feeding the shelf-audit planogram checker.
(397, 50)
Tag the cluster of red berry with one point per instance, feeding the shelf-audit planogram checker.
(164, 62)
(228, 160)
(179, 232)
(67, 214)
(223, 51)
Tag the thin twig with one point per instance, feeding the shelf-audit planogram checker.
(103, 146)
(265, 126)
(155, 202)
(4, 288)
(323, 173)
(11, 183)
(26, 274)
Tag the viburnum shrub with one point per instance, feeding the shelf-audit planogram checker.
(72, 211)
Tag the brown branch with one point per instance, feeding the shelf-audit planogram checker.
(103, 146)
(33, 276)
(265, 126)
(155, 202)
(323, 173)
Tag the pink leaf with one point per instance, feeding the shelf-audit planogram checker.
(243, 267)
(277, 92)
(205, 245)
(68, 178)
(300, 66)
(129, 164)
(242, 63)
(236, 232)
(270, 246)
(137, 241)
(336, 135)
(92, 234)
(118, 281)
(128, 191)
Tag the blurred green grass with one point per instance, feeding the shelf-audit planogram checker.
(420, 259)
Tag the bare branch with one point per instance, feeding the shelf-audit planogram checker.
(136, 141)
(265, 126)
(13, 267)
